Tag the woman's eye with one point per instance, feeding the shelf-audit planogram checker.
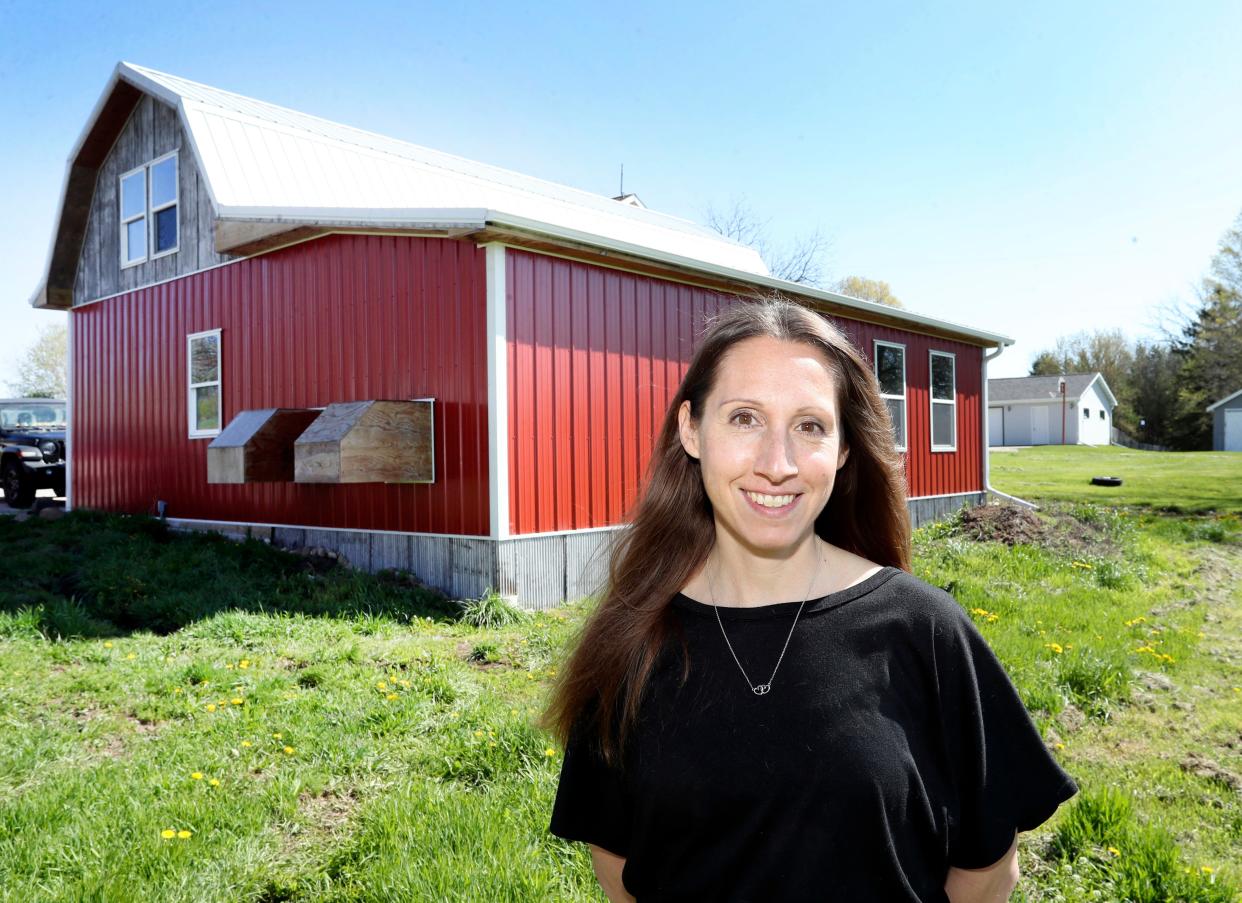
(743, 418)
(815, 428)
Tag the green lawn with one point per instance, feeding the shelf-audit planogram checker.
(308, 733)
(1179, 481)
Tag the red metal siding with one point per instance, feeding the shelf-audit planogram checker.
(342, 318)
(596, 354)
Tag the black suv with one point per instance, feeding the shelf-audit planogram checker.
(32, 448)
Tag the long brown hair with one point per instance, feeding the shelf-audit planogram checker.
(672, 529)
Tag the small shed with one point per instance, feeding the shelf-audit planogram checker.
(1227, 423)
(1076, 409)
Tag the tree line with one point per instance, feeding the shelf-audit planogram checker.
(1164, 385)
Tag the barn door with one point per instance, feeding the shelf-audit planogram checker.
(996, 426)
(1039, 425)
(1233, 431)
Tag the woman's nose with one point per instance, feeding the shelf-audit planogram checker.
(775, 459)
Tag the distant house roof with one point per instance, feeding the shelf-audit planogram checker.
(1225, 400)
(270, 171)
(1045, 388)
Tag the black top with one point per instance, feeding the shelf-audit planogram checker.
(891, 746)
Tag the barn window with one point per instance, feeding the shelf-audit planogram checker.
(1086, 413)
(943, 401)
(203, 365)
(890, 372)
(149, 210)
(1101, 413)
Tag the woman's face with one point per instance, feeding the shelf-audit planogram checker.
(768, 442)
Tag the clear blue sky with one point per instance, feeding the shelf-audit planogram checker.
(1034, 172)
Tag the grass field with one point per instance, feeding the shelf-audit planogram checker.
(193, 719)
(1174, 481)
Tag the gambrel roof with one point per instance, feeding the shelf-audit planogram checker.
(1045, 388)
(274, 174)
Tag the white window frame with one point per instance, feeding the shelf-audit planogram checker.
(175, 202)
(933, 401)
(148, 211)
(120, 209)
(903, 397)
(191, 398)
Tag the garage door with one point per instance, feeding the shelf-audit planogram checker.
(1233, 430)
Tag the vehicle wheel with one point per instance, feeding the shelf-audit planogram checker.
(19, 489)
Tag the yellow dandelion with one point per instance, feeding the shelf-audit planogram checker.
(1055, 647)
(381, 686)
(391, 696)
(491, 742)
(478, 733)
(245, 743)
(168, 834)
(176, 689)
(277, 736)
(1237, 689)
(237, 700)
(244, 663)
(288, 750)
(132, 655)
(211, 706)
(549, 751)
(1206, 869)
(515, 711)
(1114, 851)
(214, 782)
(108, 645)
(185, 835)
(198, 775)
(1060, 746)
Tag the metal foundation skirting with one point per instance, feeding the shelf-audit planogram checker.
(538, 572)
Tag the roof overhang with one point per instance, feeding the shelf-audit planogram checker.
(1225, 400)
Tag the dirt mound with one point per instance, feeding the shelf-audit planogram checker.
(1002, 523)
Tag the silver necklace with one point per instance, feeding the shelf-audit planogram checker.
(762, 689)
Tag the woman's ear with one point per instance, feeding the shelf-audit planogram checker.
(842, 455)
(688, 429)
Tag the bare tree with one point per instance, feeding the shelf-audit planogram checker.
(42, 372)
(800, 261)
(868, 289)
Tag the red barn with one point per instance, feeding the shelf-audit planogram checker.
(219, 255)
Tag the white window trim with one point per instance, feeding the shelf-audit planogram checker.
(903, 397)
(148, 211)
(175, 202)
(120, 209)
(933, 401)
(191, 401)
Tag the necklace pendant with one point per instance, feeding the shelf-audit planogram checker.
(762, 689)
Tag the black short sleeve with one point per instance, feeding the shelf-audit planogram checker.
(592, 804)
(1005, 780)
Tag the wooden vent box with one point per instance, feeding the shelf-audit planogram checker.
(368, 442)
(257, 446)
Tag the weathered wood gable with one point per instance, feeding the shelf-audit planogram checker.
(152, 130)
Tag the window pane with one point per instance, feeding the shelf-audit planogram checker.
(942, 377)
(136, 240)
(133, 197)
(943, 432)
(207, 408)
(890, 370)
(1101, 414)
(164, 182)
(166, 229)
(897, 413)
(204, 359)
(1086, 412)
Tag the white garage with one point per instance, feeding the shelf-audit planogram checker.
(1051, 410)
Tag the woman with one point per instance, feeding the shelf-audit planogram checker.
(766, 705)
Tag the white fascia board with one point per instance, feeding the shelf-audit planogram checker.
(1225, 400)
(431, 217)
(1099, 378)
(762, 281)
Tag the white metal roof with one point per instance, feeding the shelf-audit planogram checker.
(265, 162)
(1225, 400)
